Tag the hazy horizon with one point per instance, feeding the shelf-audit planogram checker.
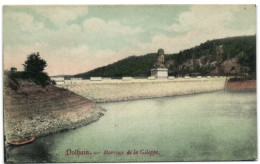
(76, 39)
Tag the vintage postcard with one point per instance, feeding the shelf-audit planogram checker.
(129, 83)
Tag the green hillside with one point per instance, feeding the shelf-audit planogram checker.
(130, 66)
(239, 53)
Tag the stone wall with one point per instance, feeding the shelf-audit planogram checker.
(118, 90)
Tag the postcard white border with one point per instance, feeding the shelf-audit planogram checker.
(111, 2)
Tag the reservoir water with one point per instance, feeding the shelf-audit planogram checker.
(199, 127)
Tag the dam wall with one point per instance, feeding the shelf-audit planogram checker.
(127, 88)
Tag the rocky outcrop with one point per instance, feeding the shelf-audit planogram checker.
(33, 110)
(228, 67)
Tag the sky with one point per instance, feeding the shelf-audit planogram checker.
(76, 39)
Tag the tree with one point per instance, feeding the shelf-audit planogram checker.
(34, 66)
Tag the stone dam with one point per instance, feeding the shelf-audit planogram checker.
(100, 89)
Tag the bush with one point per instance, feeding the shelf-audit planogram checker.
(41, 79)
(12, 79)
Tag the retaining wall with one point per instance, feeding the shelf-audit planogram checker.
(118, 90)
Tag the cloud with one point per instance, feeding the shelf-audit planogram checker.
(60, 15)
(23, 20)
(214, 18)
(98, 26)
(204, 23)
(94, 42)
(67, 50)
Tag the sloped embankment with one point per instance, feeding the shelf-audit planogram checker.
(33, 110)
(241, 85)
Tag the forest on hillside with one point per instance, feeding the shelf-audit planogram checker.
(238, 57)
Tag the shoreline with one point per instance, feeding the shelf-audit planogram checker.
(145, 98)
(40, 111)
(64, 128)
(48, 110)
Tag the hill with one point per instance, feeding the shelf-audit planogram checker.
(130, 66)
(227, 56)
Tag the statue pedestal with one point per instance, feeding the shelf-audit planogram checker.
(159, 73)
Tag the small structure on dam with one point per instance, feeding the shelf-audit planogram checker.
(160, 71)
(101, 89)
